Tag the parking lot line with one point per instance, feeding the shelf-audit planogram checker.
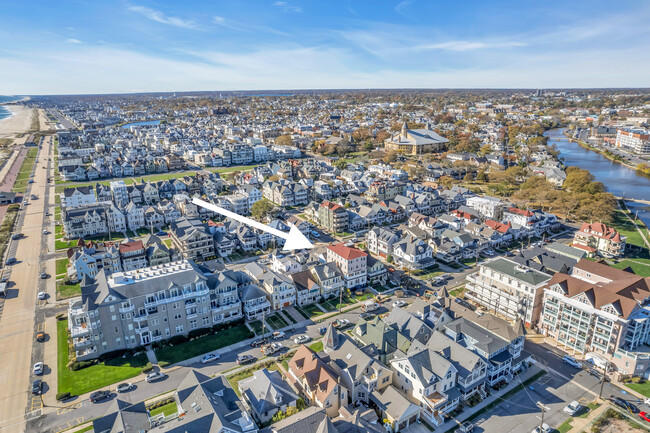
(68, 408)
(36, 403)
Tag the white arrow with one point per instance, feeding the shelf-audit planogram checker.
(295, 240)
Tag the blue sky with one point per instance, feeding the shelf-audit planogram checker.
(63, 47)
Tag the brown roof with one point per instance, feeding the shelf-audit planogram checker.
(604, 270)
(131, 246)
(348, 253)
(307, 366)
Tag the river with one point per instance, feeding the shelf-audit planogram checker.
(620, 180)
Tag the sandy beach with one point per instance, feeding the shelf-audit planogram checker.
(19, 121)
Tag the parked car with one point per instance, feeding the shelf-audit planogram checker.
(210, 357)
(99, 396)
(623, 404)
(399, 304)
(37, 387)
(545, 429)
(644, 416)
(572, 408)
(466, 427)
(571, 361)
(10, 261)
(17, 236)
(302, 339)
(278, 335)
(124, 387)
(156, 375)
(44, 276)
(161, 234)
(595, 373)
(245, 359)
(341, 323)
(42, 295)
(366, 316)
(38, 368)
(46, 232)
(47, 213)
(40, 337)
(259, 342)
(272, 348)
(488, 253)
(315, 234)
(322, 330)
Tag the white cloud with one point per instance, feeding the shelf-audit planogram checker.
(287, 7)
(160, 17)
(401, 6)
(469, 45)
(73, 41)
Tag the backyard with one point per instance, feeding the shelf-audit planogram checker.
(96, 376)
(166, 409)
(65, 291)
(276, 321)
(169, 354)
(309, 311)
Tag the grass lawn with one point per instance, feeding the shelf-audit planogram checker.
(276, 321)
(311, 310)
(257, 326)
(96, 376)
(329, 304)
(457, 293)
(591, 406)
(85, 429)
(641, 388)
(628, 229)
(64, 291)
(425, 274)
(288, 316)
(64, 245)
(565, 426)
(58, 231)
(167, 409)
(61, 266)
(640, 267)
(190, 349)
(168, 242)
(317, 346)
(302, 312)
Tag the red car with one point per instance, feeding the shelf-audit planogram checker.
(644, 416)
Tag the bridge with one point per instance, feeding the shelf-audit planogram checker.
(635, 200)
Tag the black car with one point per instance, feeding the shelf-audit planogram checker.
(623, 404)
(99, 395)
(366, 316)
(37, 387)
(259, 342)
(17, 236)
(10, 261)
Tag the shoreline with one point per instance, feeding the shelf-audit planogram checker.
(600, 152)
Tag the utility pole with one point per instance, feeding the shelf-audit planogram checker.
(603, 379)
(543, 409)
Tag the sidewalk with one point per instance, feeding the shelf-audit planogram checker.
(578, 424)
(495, 396)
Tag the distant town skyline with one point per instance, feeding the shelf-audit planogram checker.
(74, 47)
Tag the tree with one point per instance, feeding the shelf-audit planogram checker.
(390, 157)
(284, 140)
(341, 164)
(261, 209)
(482, 176)
(468, 177)
(389, 258)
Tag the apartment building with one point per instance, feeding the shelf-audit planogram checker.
(601, 239)
(86, 220)
(352, 262)
(634, 140)
(603, 311)
(488, 207)
(507, 288)
(129, 309)
(77, 196)
(281, 292)
(192, 238)
(333, 217)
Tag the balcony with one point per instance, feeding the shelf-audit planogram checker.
(86, 352)
(140, 318)
(142, 329)
(79, 330)
(127, 309)
(370, 382)
(435, 399)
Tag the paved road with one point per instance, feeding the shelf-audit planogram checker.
(17, 322)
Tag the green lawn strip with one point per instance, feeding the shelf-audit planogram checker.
(58, 231)
(641, 388)
(201, 345)
(501, 399)
(627, 228)
(167, 242)
(64, 245)
(290, 317)
(591, 406)
(425, 274)
(302, 312)
(327, 305)
(312, 310)
(234, 379)
(85, 429)
(641, 267)
(61, 266)
(276, 321)
(167, 409)
(257, 326)
(65, 291)
(457, 293)
(96, 376)
(316, 346)
(7, 226)
(565, 426)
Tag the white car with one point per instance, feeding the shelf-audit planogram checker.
(278, 335)
(571, 361)
(38, 368)
(545, 429)
(42, 295)
(152, 377)
(302, 339)
(210, 357)
(572, 408)
(399, 304)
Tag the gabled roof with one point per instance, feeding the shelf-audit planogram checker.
(347, 253)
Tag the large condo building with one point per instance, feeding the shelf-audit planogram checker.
(603, 311)
(634, 140)
(507, 288)
(126, 310)
(599, 238)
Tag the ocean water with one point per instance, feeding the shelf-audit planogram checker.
(4, 112)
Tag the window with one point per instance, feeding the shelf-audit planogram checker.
(113, 317)
(179, 329)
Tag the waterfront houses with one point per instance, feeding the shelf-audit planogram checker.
(599, 238)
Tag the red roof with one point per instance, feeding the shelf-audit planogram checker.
(500, 227)
(464, 215)
(131, 246)
(583, 247)
(525, 213)
(348, 253)
(600, 230)
(331, 205)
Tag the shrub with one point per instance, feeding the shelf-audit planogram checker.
(148, 368)
(61, 316)
(160, 403)
(82, 364)
(63, 396)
